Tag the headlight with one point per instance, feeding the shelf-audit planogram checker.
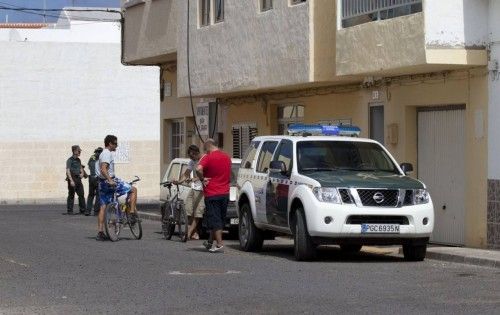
(420, 196)
(325, 194)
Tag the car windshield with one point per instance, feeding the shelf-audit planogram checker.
(343, 155)
(234, 173)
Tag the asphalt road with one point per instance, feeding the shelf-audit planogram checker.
(51, 264)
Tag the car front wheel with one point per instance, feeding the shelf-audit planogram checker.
(304, 247)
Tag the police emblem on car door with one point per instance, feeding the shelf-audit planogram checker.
(278, 185)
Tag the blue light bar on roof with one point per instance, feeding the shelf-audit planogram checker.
(324, 130)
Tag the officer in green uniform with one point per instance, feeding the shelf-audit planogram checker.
(74, 174)
(93, 183)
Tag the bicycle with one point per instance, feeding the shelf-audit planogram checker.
(117, 214)
(173, 214)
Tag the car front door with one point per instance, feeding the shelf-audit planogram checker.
(278, 185)
(261, 178)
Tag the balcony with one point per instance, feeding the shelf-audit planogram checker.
(397, 37)
(150, 31)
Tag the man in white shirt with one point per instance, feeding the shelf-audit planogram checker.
(195, 203)
(108, 184)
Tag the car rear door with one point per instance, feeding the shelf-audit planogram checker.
(261, 178)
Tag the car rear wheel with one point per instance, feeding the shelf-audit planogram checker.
(414, 252)
(251, 238)
(304, 247)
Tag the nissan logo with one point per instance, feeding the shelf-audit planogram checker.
(378, 197)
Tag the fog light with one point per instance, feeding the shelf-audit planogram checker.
(328, 220)
(425, 221)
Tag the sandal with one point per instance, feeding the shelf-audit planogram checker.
(195, 237)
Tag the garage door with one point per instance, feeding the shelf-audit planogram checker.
(441, 166)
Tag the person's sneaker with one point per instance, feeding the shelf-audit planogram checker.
(87, 214)
(207, 245)
(133, 218)
(101, 236)
(217, 249)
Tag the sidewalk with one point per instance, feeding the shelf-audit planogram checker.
(470, 256)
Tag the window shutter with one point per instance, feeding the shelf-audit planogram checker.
(243, 134)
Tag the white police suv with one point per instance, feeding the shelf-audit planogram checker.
(330, 189)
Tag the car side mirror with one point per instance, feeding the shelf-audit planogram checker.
(407, 167)
(277, 167)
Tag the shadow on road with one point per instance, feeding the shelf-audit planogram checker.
(324, 254)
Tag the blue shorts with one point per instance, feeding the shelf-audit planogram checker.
(215, 212)
(106, 191)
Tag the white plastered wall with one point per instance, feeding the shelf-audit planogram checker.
(57, 89)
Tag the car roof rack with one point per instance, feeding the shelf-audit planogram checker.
(305, 130)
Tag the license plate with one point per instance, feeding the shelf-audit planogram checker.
(234, 221)
(380, 228)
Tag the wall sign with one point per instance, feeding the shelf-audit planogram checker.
(202, 110)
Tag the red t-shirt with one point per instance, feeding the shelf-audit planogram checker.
(217, 168)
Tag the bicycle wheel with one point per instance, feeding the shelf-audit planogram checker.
(182, 222)
(136, 227)
(112, 224)
(167, 221)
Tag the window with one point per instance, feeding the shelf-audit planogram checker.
(243, 134)
(204, 6)
(173, 173)
(219, 11)
(246, 162)
(355, 12)
(298, 1)
(266, 154)
(266, 5)
(176, 138)
(285, 154)
(288, 114)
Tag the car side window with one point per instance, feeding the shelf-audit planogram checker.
(173, 173)
(246, 162)
(266, 155)
(184, 168)
(284, 153)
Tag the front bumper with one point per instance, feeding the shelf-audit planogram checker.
(338, 228)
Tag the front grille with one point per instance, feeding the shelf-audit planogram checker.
(385, 198)
(408, 198)
(345, 195)
(382, 219)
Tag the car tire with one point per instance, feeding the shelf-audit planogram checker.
(251, 238)
(350, 248)
(414, 252)
(304, 247)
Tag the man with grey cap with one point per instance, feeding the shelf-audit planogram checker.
(74, 174)
(93, 183)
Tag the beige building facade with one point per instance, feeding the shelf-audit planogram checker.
(414, 75)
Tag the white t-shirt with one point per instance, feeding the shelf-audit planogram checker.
(106, 157)
(196, 184)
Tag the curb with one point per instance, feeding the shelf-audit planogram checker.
(483, 262)
(149, 216)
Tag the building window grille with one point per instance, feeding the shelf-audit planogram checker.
(298, 1)
(176, 138)
(219, 11)
(204, 12)
(243, 135)
(266, 5)
(355, 12)
(289, 114)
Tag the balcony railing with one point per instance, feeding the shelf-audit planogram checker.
(356, 12)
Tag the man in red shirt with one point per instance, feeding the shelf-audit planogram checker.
(214, 170)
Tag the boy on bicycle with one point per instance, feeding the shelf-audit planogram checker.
(108, 184)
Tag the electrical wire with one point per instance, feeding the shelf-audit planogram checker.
(35, 10)
(189, 75)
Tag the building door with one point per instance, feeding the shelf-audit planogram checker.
(441, 166)
(377, 122)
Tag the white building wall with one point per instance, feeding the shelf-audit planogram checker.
(456, 23)
(494, 93)
(64, 87)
